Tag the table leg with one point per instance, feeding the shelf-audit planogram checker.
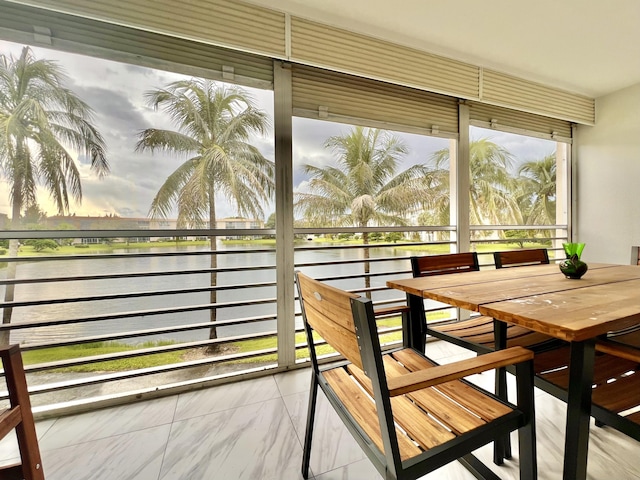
(576, 447)
(502, 447)
(413, 333)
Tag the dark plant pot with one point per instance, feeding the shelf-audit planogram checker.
(573, 267)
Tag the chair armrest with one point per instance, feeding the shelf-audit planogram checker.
(618, 350)
(444, 373)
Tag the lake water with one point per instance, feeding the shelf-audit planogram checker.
(71, 289)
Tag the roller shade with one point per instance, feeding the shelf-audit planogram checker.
(320, 93)
(516, 93)
(316, 44)
(221, 22)
(499, 118)
(248, 28)
(81, 35)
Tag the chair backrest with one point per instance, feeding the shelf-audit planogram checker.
(336, 315)
(327, 310)
(520, 258)
(428, 265)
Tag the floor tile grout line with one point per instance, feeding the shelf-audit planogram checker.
(166, 443)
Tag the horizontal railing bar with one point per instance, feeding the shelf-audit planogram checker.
(205, 232)
(389, 301)
(321, 341)
(109, 276)
(360, 246)
(57, 386)
(146, 332)
(41, 367)
(405, 228)
(518, 227)
(118, 296)
(350, 262)
(137, 313)
(361, 275)
(531, 240)
(103, 256)
(368, 289)
(163, 233)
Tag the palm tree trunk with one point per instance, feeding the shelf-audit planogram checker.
(14, 245)
(213, 294)
(7, 312)
(367, 265)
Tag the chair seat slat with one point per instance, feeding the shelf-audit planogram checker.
(363, 410)
(437, 404)
(430, 400)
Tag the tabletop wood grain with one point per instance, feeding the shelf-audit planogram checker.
(540, 298)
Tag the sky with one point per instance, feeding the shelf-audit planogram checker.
(115, 91)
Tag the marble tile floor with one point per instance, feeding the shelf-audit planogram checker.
(253, 430)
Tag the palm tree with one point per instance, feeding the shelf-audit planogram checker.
(491, 189)
(39, 119)
(538, 184)
(438, 200)
(362, 188)
(214, 124)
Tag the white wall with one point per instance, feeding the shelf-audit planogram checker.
(608, 179)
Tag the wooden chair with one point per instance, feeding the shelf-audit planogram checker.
(19, 417)
(616, 383)
(409, 415)
(520, 258)
(628, 337)
(476, 333)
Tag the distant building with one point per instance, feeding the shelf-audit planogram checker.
(109, 222)
(238, 223)
(113, 222)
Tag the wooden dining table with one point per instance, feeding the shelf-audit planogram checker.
(542, 299)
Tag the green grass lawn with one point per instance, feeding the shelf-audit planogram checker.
(102, 248)
(55, 354)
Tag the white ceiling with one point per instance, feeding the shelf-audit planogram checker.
(590, 47)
